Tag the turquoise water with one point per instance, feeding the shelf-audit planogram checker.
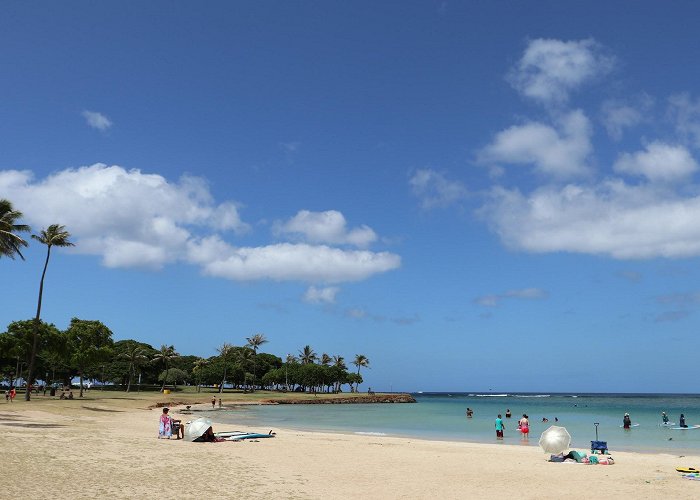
(442, 416)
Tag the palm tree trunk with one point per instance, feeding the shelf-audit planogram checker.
(128, 384)
(81, 384)
(35, 342)
(165, 378)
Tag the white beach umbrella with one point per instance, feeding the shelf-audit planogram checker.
(555, 440)
(196, 428)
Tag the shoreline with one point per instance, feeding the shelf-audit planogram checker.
(97, 447)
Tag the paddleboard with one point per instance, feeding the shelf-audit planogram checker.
(633, 425)
(251, 435)
(689, 428)
(667, 424)
(687, 469)
(229, 434)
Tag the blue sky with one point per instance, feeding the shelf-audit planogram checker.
(475, 195)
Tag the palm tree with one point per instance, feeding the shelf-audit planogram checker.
(360, 361)
(135, 356)
(199, 365)
(9, 241)
(55, 235)
(339, 362)
(307, 355)
(225, 352)
(166, 354)
(254, 343)
(325, 359)
(291, 358)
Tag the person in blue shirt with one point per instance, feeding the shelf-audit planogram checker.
(499, 427)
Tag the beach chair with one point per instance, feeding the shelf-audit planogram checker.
(599, 447)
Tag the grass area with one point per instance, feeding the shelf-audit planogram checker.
(114, 400)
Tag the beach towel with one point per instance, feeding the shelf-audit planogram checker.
(165, 430)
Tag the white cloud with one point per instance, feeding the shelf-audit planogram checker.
(686, 114)
(435, 190)
(612, 218)
(494, 300)
(550, 69)
(127, 217)
(618, 116)
(658, 162)
(97, 120)
(132, 219)
(325, 227)
(325, 295)
(288, 262)
(560, 152)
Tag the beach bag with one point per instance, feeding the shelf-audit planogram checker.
(556, 458)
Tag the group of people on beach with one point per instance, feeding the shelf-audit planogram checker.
(523, 426)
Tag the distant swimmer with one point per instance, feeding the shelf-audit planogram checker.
(507, 412)
(556, 419)
(470, 413)
(626, 421)
(545, 419)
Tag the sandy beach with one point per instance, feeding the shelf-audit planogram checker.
(107, 446)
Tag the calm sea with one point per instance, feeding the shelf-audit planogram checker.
(442, 416)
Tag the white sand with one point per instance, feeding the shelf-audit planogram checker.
(102, 450)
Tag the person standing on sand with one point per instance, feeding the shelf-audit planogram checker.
(219, 402)
(13, 393)
(213, 402)
(499, 427)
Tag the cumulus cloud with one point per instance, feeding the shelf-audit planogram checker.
(494, 300)
(658, 162)
(288, 262)
(97, 120)
(128, 217)
(560, 152)
(325, 295)
(133, 219)
(611, 218)
(325, 227)
(550, 70)
(435, 190)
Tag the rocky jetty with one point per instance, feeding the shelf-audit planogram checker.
(356, 399)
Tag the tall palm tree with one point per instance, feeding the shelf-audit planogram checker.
(226, 351)
(53, 236)
(165, 354)
(307, 355)
(360, 361)
(254, 343)
(199, 365)
(291, 358)
(135, 355)
(325, 359)
(339, 362)
(10, 242)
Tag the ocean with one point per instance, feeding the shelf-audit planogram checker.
(441, 416)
